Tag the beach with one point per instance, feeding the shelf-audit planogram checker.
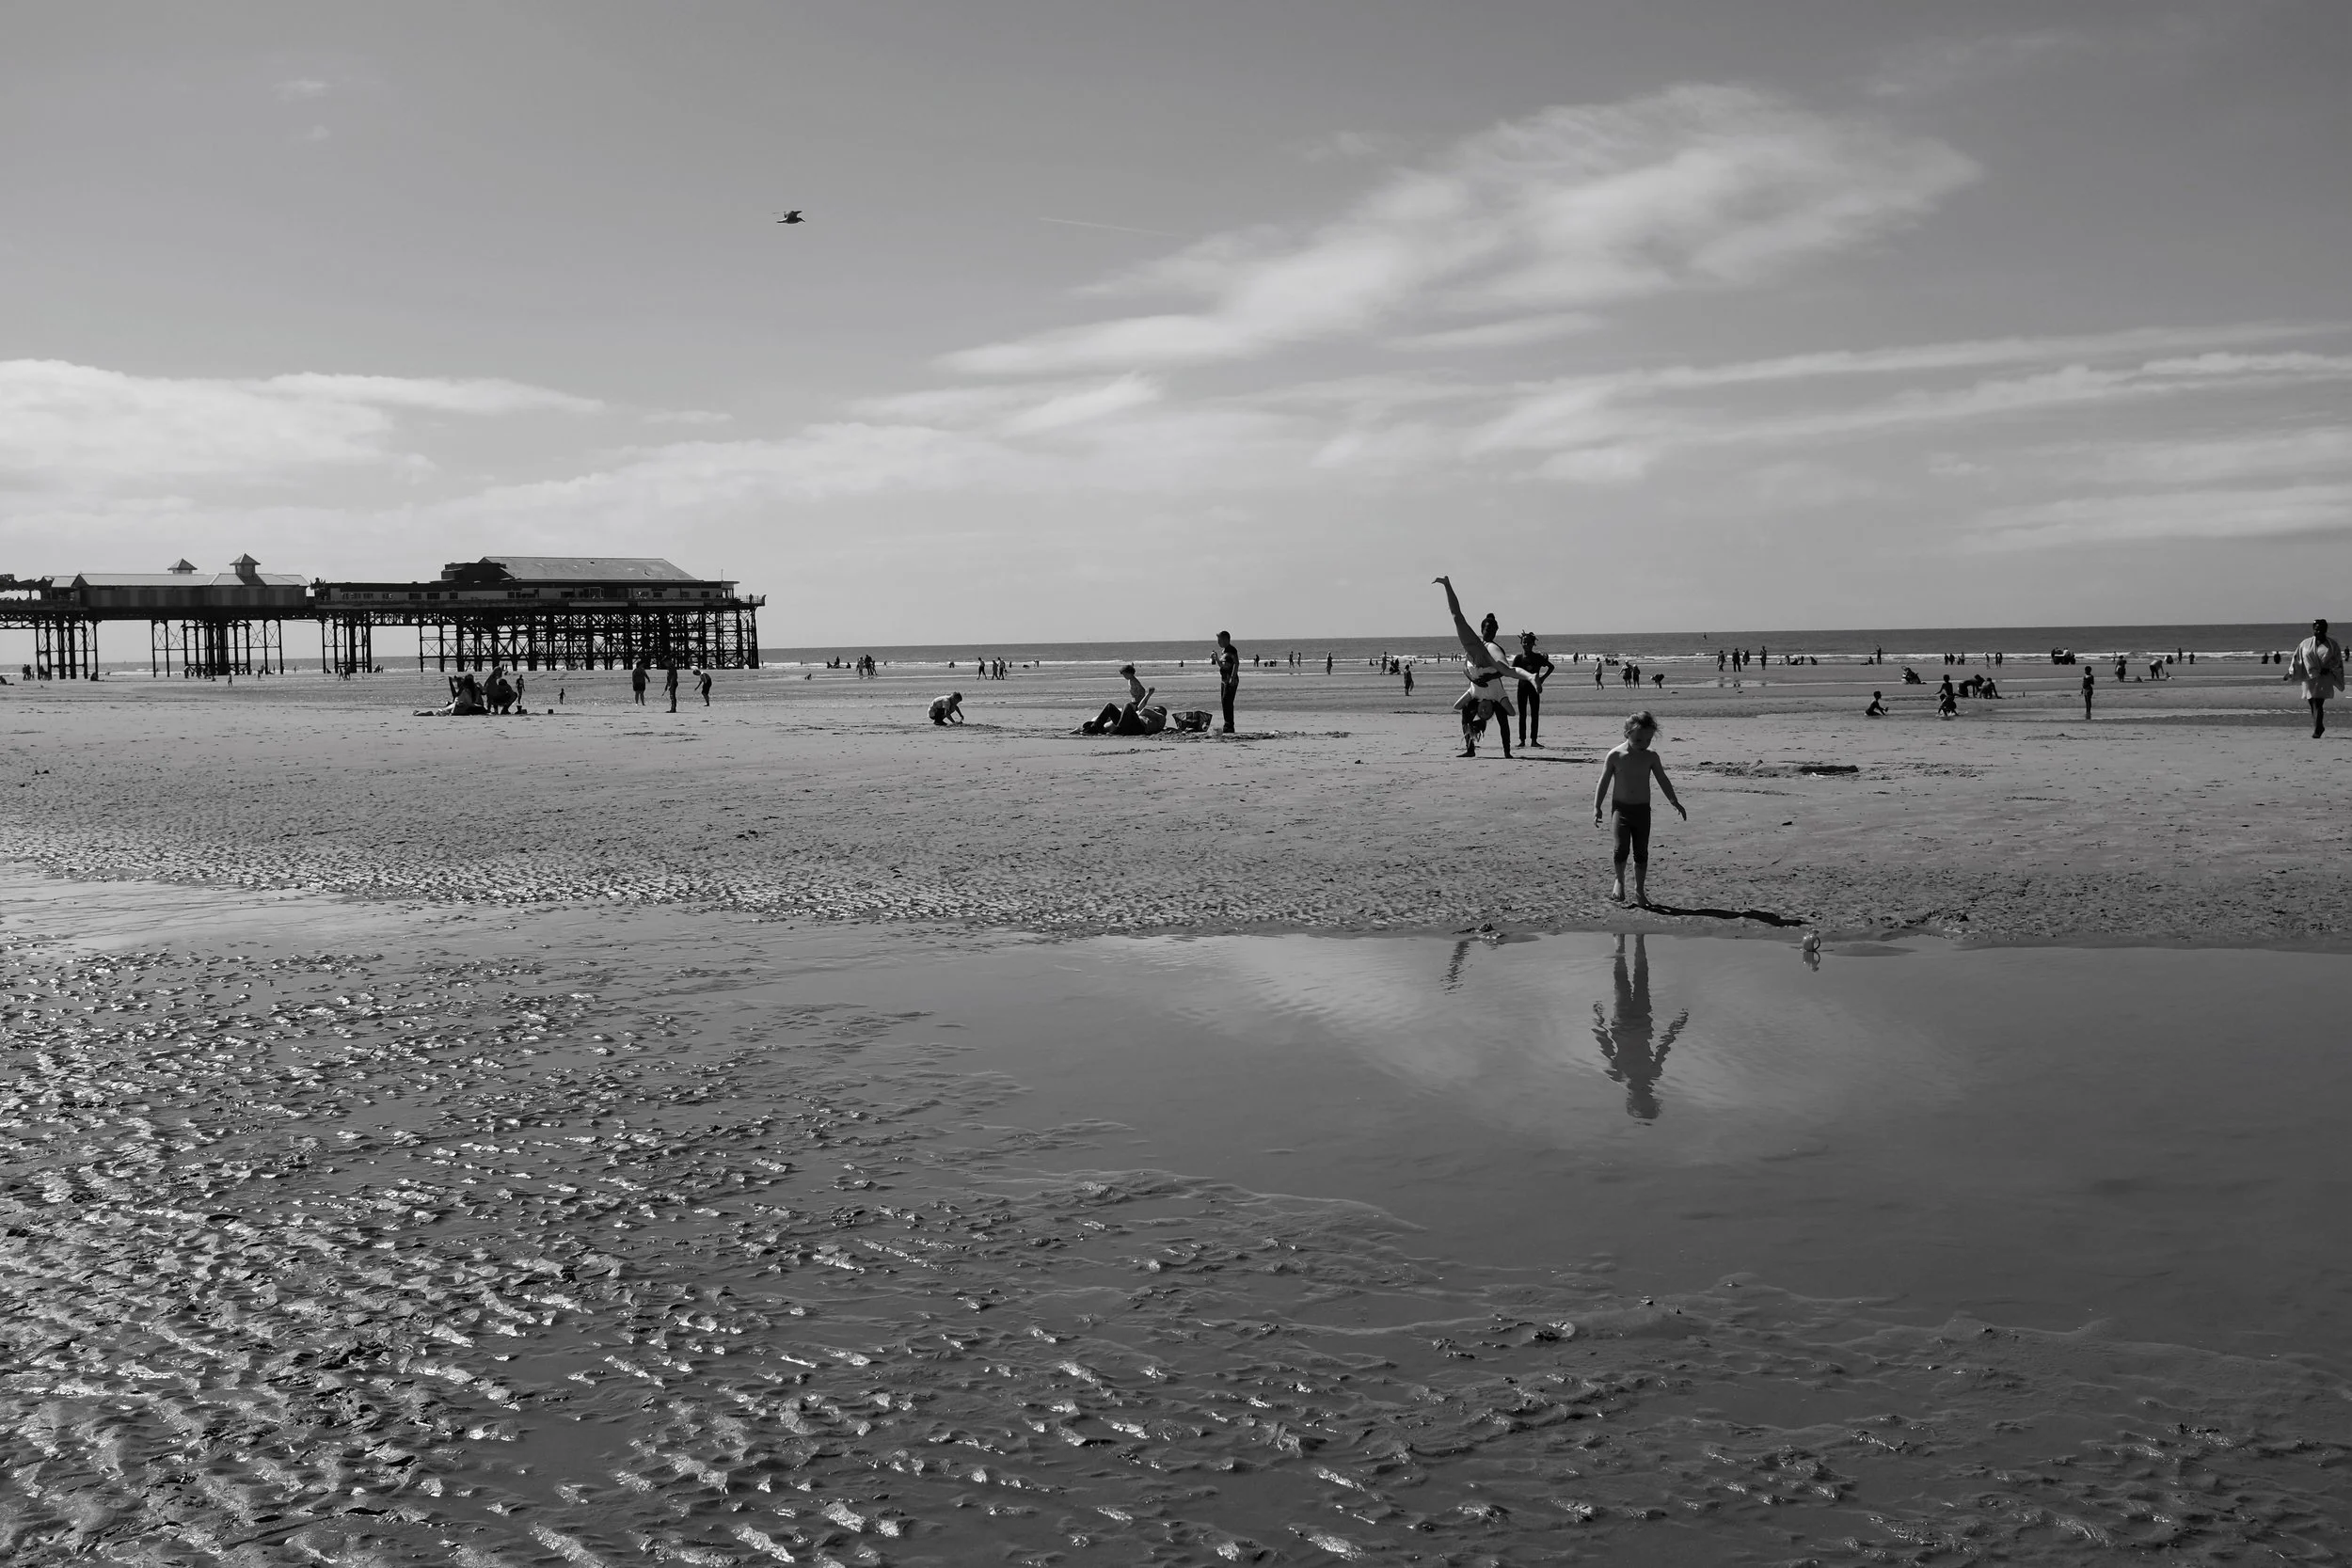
(793, 1132)
(2176, 814)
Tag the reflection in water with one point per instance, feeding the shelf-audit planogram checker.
(1625, 1041)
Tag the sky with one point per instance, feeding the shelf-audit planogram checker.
(1110, 318)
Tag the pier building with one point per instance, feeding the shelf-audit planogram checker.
(548, 613)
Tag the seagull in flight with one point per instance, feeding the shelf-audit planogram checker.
(792, 216)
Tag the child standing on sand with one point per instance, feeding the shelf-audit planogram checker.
(1623, 791)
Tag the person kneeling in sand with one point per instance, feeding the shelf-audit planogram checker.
(1624, 792)
(1877, 706)
(947, 709)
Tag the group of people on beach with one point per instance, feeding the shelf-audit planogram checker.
(1502, 688)
(469, 694)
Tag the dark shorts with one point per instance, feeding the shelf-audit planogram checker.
(1632, 831)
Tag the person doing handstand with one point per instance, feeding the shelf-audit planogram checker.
(1491, 676)
(1624, 792)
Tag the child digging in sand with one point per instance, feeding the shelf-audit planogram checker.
(1624, 790)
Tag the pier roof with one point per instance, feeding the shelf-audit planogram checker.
(575, 568)
(184, 580)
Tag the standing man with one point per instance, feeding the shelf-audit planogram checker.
(1534, 668)
(2089, 681)
(668, 683)
(637, 681)
(702, 683)
(2319, 661)
(1227, 661)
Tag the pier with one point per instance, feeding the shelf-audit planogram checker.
(526, 612)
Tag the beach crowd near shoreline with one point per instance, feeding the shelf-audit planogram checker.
(1339, 802)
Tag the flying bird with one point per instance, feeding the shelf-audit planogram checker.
(792, 216)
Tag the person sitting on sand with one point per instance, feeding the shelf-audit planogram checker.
(1133, 719)
(1877, 706)
(1624, 792)
(947, 709)
(465, 700)
(1491, 676)
(1910, 676)
(1138, 692)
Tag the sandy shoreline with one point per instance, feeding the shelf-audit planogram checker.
(2181, 814)
(438, 1228)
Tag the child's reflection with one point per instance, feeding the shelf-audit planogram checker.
(1634, 1060)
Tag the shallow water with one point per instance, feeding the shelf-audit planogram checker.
(368, 1233)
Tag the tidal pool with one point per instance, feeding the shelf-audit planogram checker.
(374, 1233)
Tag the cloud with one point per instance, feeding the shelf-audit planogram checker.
(1567, 211)
(1349, 146)
(1502, 334)
(1939, 65)
(65, 425)
(297, 89)
(1652, 410)
(2255, 456)
(2217, 514)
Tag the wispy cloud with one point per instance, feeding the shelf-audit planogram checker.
(298, 89)
(1570, 209)
(2189, 514)
(66, 424)
(1941, 65)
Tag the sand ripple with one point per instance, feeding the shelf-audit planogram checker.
(334, 1259)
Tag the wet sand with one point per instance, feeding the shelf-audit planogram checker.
(2183, 813)
(362, 1234)
(502, 1215)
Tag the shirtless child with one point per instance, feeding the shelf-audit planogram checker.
(1624, 790)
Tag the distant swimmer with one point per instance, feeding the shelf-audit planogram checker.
(792, 216)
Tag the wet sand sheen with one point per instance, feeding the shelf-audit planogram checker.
(576, 1237)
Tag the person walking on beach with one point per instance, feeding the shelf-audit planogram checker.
(1534, 668)
(668, 683)
(2319, 661)
(702, 684)
(2090, 680)
(1409, 676)
(1491, 676)
(1227, 661)
(1624, 792)
(637, 681)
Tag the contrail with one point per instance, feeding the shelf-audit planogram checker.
(1081, 223)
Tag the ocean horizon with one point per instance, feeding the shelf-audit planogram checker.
(2217, 639)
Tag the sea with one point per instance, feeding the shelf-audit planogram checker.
(1899, 643)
